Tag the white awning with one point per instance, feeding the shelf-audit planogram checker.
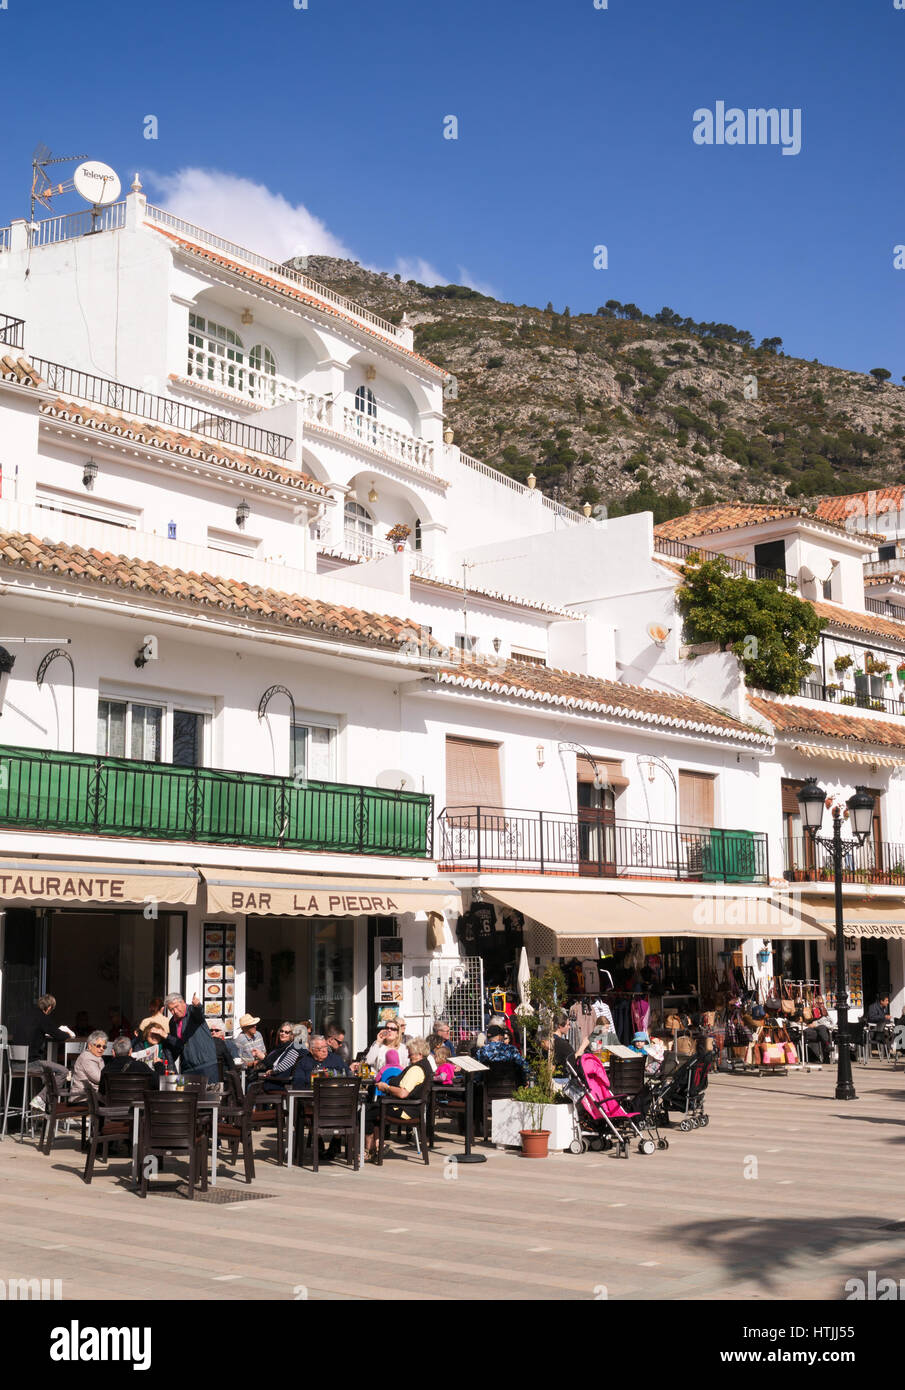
(106, 885)
(294, 895)
(581, 914)
(878, 918)
(848, 755)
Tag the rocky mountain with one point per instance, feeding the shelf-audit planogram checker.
(637, 411)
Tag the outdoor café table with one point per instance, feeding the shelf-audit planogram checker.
(211, 1103)
(307, 1093)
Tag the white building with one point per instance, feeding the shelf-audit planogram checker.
(285, 738)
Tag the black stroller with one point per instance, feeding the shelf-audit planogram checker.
(680, 1089)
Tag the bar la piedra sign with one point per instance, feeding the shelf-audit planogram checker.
(308, 904)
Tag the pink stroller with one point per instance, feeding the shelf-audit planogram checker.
(598, 1095)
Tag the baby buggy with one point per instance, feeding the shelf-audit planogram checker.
(597, 1094)
(681, 1091)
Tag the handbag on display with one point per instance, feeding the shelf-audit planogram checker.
(791, 1054)
(686, 1047)
(772, 1055)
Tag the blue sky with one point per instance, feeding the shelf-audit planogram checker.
(324, 127)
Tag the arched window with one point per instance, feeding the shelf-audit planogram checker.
(365, 402)
(366, 405)
(359, 529)
(261, 376)
(216, 354)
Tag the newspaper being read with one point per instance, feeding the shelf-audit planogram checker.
(617, 1050)
(468, 1064)
(148, 1054)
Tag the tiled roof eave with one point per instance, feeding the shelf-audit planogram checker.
(586, 706)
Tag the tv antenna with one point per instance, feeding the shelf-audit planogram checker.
(43, 189)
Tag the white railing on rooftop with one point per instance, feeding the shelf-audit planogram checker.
(69, 225)
(4, 238)
(283, 272)
(503, 479)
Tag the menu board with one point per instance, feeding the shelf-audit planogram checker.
(219, 989)
(852, 981)
(388, 972)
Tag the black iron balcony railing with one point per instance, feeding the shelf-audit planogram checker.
(853, 699)
(876, 861)
(154, 801)
(886, 607)
(113, 395)
(680, 550)
(593, 843)
(12, 331)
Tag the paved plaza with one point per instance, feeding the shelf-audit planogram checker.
(787, 1194)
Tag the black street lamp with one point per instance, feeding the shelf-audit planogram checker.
(7, 662)
(812, 799)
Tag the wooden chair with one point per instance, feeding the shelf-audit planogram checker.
(235, 1126)
(335, 1110)
(268, 1112)
(391, 1113)
(102, 1132)
(500, 1081)
(169, 1125)
(59, 1107)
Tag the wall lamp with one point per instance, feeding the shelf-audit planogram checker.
(541, 755)
(89, 473)
(42, 672)
(243, 512)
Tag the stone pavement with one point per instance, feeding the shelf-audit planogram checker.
(786, 1194)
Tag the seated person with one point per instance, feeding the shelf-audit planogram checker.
(391, 1069)
(878, 1013)
(122, 1061)
(444, 1071)
(412, 1084)
(227, 1048)
(318, 1057)
(335, 1034)
(653, 1051)
(33, 1029)
(280, 1063)
(88, 1067)
(816, 1033)
(388, 1036)
(441, 1037)
(249, 1041)
(600, 1039)
(498, 1049)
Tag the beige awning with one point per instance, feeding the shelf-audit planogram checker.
(848, 755)
(582, 914)
(294, 895)
(107, 885)
(878, 917)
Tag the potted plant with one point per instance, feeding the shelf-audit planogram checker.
(847, 700)
(832, 691)
(900, 671)
(534, 1100)
(843, 664)
(876, 670)
(398, 535)
(532, 1115)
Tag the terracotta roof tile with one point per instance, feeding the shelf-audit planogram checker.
(865, 504)
(548, 685)
(871, 624)
(730, 516)
(794, 719)
(20, 370)
(292, 291)
(73, 562)
(189, 446)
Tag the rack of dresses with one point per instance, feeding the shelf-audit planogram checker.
(626, 1012)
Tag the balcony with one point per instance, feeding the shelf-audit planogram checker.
(85, 795)
(855, 699)
(877, 861)
(376, 547)
(680, 550)
(885, 607)
(593, 844)
(12, 331)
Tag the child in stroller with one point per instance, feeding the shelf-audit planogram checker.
(680, 1089)
(597, 1094)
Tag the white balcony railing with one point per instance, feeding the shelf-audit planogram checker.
(263, 389)
(375, 547)
(372, 431)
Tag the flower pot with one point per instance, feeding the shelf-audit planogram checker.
(535, 1142)
(510, 1117)
(399, 546)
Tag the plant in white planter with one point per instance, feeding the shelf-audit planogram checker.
(398, 535)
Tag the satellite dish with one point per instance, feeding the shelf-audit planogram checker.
(97, 183)
(806, 575)
(394, 780)
(657, 633)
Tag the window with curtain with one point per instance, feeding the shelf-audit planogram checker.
(313, 749)
(129, 730)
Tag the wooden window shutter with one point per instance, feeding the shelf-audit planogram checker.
(473, 773)
(790, 792)
(696, 798)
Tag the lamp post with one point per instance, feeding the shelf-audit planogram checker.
(813, 799)
(7, 662)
